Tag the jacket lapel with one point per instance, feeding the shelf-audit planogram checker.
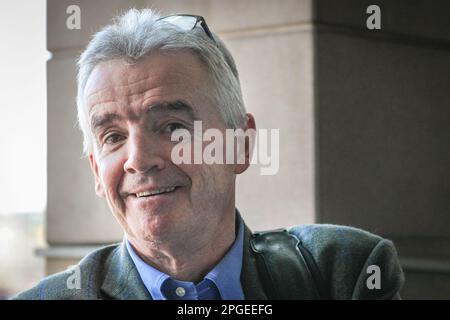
(122, 280)
(250, 280)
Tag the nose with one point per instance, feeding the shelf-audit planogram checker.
(144, 154)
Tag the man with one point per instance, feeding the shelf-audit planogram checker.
(141, 81)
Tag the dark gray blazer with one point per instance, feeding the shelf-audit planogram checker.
(342, 255)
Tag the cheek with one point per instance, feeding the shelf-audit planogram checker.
(209, 182)
(111, 172)
(208, 177)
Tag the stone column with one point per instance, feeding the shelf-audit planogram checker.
(382, 130)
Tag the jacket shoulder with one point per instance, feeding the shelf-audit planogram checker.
(323, 239)
(346, 256)
(78, 282)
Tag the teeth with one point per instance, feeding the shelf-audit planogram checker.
(152, 193)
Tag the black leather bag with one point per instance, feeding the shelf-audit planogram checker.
(287, 268)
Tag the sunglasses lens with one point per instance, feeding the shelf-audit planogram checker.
(186, 23)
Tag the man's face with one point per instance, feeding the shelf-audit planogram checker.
(133, 109)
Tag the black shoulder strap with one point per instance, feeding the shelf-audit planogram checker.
(287, 269)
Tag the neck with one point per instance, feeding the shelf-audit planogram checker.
(187, 261)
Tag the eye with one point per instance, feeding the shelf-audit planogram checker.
(113, 138)
(171, 127)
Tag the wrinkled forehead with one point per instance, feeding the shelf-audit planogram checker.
(158, 74)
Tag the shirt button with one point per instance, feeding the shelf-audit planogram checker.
(180, 291)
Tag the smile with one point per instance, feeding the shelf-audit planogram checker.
(154, 192)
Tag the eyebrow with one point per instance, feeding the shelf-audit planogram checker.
(98, 121)
(178, 106)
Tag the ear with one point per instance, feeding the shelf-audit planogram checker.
(94, 167)
(239, 168)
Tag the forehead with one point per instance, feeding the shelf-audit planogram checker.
(158, 77)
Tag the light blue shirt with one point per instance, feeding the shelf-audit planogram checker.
(222, 282)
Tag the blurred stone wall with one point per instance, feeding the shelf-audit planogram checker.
(382, 138)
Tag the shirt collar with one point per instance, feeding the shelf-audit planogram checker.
(225, 275)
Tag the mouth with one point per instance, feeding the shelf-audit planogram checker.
(156, 192)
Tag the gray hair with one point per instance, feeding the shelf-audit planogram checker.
(137, 34)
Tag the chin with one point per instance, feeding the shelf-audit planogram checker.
(154, 228)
